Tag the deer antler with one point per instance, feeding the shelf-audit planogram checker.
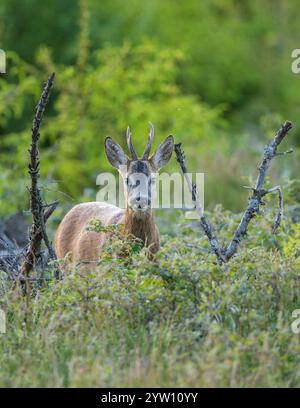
(130, 145)
(149, 144)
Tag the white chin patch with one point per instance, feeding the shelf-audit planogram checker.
(140, 212)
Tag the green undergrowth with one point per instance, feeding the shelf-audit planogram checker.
(183, 321)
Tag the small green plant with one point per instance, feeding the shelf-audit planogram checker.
(292, 245)
(117, 244)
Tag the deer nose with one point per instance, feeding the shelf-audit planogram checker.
(139, 203)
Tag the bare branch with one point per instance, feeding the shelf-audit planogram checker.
(206, 226)
(284, 153)
(280, 207)
(39, 213)
(270, 152)
(10, 256)
(50, 208)
(255, 200)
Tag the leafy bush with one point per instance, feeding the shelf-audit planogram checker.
(131, 85)
(182, 322)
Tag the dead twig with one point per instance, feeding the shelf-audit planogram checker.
(280, 206)
(205, 224)
(258, 192)
(40, 212)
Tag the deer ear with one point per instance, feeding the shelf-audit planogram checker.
(163, 153)
(115, 153)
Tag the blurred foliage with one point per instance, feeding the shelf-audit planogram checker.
(216, 74)
(292, 246)
(128, 85)
(182, 322)
(238, 52)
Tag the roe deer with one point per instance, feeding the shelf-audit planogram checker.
(82, 245)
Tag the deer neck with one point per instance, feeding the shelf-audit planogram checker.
(141, 226)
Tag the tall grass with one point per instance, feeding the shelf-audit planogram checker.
(182, 322)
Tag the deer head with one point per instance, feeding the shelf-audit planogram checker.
(139, 174)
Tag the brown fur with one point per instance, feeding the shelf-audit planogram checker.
(144, 228)
(73, 238)
(81, 245)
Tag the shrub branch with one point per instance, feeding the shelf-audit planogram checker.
(258, 192)
(40, 212)
(205, 224)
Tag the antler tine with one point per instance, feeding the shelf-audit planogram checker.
(149, 144)
(130, 145)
